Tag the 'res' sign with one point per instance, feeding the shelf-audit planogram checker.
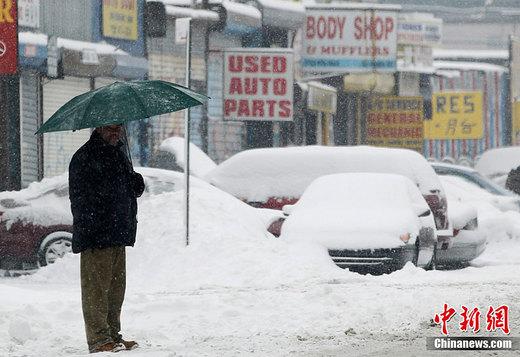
(8, 37)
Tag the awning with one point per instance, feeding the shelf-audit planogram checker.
(282, 13)
(239, 18)
(194, 14)
(81, 58)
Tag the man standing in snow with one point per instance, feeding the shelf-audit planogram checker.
(103, 190)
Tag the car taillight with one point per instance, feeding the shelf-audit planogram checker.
(439, 206)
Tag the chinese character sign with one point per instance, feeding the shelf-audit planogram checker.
(120, 19)
(8, 37)
(395, 122)
(258, 84)
(455, 115)
(349, 40)
(496, 319)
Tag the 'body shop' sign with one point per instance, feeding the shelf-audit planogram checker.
(349, 40)
(258, 84)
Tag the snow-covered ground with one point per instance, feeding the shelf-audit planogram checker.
(238, 291)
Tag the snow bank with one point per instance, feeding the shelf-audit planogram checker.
(256, 175)
(200, 163)
(356, 211)
(229, 246)
(498, 161)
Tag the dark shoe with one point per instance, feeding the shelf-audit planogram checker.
(129, 345)
(110, 347)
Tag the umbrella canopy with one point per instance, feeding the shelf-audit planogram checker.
(121, 102)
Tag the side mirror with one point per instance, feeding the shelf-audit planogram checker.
(287, 209)
(422, 210)
(425, 213)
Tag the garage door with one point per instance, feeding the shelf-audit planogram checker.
(59, 147)
(30, 119)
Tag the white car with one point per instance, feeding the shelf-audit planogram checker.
(369, 222)
(274, 177)
(496, 163)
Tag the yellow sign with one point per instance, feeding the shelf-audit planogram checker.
(120, 19)
(516, 124)
(395, 122)
(455, 115)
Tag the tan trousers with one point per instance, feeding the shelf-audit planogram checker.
(103, 282)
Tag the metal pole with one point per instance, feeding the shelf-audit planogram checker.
(187, 140)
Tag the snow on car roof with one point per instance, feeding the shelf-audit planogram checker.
(200, 163)
(256, 175)
(498, 161)
(356, 211)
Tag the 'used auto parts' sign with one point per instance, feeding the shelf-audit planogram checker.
(349, 40)
(8, 37)
(258, 84)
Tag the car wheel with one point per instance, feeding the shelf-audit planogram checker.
(54, 247)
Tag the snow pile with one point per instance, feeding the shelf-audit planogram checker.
(229, 246)
(356, 211)
(200, 163)
(498, 161)
(256, 175)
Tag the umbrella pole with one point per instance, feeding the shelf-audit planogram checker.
(127, 146)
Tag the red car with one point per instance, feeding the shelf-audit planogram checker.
(36, 222)
(274, 177)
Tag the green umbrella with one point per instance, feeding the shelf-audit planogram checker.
(121, 102)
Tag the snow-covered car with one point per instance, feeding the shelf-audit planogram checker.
(467, 185)
(368, 222)
(36, 222)
(274, 177)
(170, 156)
(496, 163)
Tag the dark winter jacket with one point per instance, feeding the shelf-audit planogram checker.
(103, 190)
(513, 180)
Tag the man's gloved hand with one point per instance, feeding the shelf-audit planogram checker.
(137, 184)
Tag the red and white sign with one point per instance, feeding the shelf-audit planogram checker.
(349, 40)
(258, 84)
(8, 37)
